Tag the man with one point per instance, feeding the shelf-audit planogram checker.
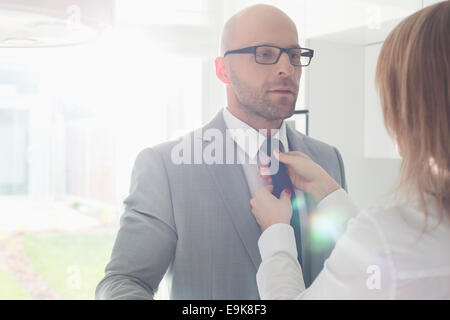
(192, 222)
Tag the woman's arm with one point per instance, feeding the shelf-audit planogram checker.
(279, 276)
(358, 268)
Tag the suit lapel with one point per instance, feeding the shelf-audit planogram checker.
(232, 189)
(296, 144)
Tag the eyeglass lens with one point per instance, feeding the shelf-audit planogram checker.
(269, 55)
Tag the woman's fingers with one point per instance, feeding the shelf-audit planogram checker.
(268, 209)
(290, 157)
(297, 161)
(286, 195)
(301, 168)
(264, 192)
(265, 172)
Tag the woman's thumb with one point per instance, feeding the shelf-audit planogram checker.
(286, 194)
(284, 157)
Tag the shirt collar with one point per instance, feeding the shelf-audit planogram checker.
(237, 128)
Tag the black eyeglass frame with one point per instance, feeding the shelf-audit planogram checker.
(309, 53)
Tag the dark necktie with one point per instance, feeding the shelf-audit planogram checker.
(281, 181)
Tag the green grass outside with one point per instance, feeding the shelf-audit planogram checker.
(9, 288)
(73, 264)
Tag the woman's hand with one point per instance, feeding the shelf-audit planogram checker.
(269, 210)
(306, 175)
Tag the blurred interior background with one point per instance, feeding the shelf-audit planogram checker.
(86, 84)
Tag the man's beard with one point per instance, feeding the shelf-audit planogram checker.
(254, 100)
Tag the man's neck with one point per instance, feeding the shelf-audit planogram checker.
(254, 120)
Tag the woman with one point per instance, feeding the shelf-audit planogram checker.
(399, 250)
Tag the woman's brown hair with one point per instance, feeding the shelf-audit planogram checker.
(413, 81)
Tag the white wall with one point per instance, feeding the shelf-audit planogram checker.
(335, 96)
(316, 18)
(427, 3)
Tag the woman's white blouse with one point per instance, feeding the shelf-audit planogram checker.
(383, 254)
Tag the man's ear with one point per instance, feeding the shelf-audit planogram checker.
(220, 70)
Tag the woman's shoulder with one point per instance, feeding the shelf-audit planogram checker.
(415, 215)
(416, 240)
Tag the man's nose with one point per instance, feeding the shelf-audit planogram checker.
(284, 65)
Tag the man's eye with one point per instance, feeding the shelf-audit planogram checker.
(265, 54)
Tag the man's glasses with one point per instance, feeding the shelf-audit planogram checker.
(271, 54)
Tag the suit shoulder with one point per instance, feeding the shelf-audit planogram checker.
(312, 143)
(165, 148)
(318, 144)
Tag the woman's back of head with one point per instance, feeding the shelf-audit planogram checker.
(413, 77)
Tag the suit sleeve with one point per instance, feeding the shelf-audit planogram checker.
(147, 237)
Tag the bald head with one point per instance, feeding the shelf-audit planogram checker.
(255, 25)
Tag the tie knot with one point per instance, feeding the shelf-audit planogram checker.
(271, 144)
(266, 155)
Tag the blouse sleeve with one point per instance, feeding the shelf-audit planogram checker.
(358, 268)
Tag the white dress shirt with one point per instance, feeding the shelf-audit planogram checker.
(381, 255)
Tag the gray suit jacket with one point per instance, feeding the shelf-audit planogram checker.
(193, 223)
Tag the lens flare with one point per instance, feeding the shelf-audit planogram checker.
(298, 203)
(326, 227)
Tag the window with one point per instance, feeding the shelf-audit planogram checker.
(13, 147)
(78, 117)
